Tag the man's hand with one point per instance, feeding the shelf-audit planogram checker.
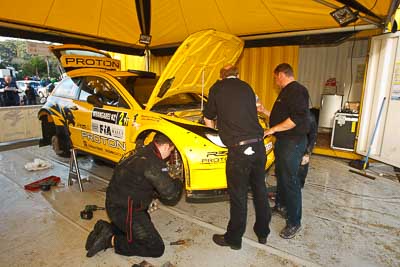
(262, 109)
(209, 123)
(280, 127)
(270, 131)
(306, 159)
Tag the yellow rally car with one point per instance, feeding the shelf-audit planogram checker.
(103, 111)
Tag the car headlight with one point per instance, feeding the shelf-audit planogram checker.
(215, 139)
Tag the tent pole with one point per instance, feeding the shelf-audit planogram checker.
(147, 58)
(310, 32)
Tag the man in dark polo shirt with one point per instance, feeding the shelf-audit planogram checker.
(289, 122)
(232, 103)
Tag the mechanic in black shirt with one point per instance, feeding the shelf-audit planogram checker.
(134, 184)
(233, 103)
(290, 124)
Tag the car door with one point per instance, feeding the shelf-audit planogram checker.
(105, 118)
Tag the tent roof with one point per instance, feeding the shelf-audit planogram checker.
(115, 23)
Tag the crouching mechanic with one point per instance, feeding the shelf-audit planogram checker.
(135, 182)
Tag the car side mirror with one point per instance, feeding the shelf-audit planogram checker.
(95, 101)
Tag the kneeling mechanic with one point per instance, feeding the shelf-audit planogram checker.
(131, 190)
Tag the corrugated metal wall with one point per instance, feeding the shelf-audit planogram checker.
(157, 64)
(129, 62)
(317, 64)
(256, 67)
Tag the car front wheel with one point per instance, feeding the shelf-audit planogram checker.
(175, 165)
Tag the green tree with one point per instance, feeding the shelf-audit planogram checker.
(36, 66)
(8, 51)
(14, 53)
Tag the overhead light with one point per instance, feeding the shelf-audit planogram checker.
(145, 39)
(344, 16)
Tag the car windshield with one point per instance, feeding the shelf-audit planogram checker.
(141, 88)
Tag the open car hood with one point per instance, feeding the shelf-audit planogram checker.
(79, 56)
(195, 66)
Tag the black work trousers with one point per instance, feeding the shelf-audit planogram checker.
(246, 166)
(302, 173)
(288, 155)
(134, 233)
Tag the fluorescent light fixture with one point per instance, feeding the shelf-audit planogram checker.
(145, 39)
(344, 16)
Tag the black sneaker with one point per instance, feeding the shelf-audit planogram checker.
(262, 240)
(90, 239)
(290, 231)
(102, 240)
(279, 210)
(93, 234)
(220, 241)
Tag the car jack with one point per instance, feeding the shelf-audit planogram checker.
(74, 173)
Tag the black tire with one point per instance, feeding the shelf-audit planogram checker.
(60, 146)
(103, 162)
(99, 161)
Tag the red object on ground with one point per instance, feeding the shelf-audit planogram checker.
(48, 180)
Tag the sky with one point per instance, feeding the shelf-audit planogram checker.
(2, 39)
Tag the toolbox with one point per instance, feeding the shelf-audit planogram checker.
(344, 131)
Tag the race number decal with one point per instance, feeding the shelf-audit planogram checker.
(109, 123)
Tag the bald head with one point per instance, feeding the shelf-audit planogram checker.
(228, 70)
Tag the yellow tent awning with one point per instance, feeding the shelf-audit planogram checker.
(115, 22)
